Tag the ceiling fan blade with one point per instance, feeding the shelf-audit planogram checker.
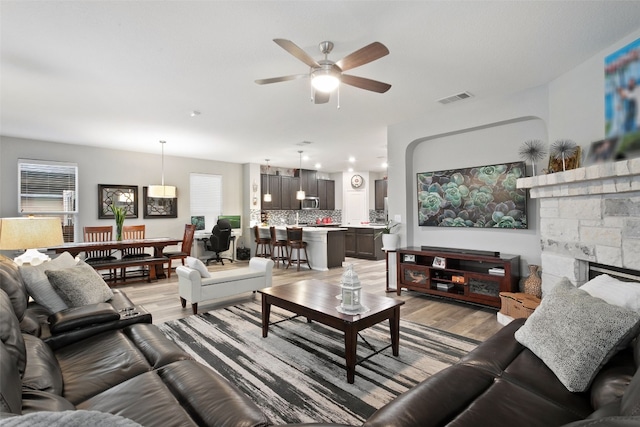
(320, 97)
(367, 84)
(281, 79)
(363, 56)
(294, 50)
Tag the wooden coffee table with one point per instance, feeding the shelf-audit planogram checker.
(317, 301)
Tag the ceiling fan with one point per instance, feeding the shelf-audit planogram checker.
(326, 75)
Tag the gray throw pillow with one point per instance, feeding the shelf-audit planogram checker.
(38, 285)
(80, 285)
(575, 334)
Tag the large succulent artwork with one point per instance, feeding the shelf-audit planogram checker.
(483, 196)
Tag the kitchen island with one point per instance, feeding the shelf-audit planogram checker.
(325, 245)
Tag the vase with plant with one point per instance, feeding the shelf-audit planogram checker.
(532, 151)
(119, 213)
(389, 239)
(563, 149)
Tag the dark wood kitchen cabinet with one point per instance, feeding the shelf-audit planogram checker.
(361, 243)
(274, 188)
(289, 185)
(327, 194)
(380, 193)
(350, 242)
(309, 180)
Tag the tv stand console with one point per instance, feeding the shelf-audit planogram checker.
(473, 276)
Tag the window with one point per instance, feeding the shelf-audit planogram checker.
(206, 197)
(49, 189)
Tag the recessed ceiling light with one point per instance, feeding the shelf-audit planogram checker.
(350, 170)
(318, 165)
(352, 159)
(305, 158)
(194, 113)
(385, 165)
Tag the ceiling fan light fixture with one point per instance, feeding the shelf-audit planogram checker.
(324, 80)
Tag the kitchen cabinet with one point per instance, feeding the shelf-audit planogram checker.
(350, 242)
(380, 193)
(309, 181)
(361, 243)
(289, 185)
(274, 188)
(473, 276)
(327, 194)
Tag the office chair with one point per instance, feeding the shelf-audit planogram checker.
(219, 241)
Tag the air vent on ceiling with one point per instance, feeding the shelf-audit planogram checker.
(303, 143)
(457, 97)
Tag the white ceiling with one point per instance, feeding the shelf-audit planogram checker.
(126, 74)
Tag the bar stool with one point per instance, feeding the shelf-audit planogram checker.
(278, 248)
(294, 241)
(263, 244)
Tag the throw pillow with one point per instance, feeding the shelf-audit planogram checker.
(614, 291)
(575, 334)
(80, 285)
(38, 285)
(198, 265)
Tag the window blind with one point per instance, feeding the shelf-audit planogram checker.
(206, 197)
(49, 188)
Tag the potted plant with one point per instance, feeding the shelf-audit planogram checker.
(389, 239)
(119, 214)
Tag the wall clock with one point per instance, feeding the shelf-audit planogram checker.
(357, 181)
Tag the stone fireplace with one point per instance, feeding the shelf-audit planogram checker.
(587, 215)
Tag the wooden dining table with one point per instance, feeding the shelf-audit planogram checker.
(157, 243)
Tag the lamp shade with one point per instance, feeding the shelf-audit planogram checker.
(300, 195)
(161, 191)
(30, 233)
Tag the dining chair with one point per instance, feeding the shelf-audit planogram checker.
(185, 247)
(278, 248)
(133, 232)
(295, 241)
(263, 244)
(103, 233)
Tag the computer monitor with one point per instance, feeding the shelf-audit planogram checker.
(198, 221)
(235, 220)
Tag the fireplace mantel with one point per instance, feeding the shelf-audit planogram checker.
(616, 177)
(590, 214)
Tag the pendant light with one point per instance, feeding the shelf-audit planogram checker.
(267, 195)
(300, 194)
(162, 191)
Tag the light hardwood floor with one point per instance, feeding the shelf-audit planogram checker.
(162, 300)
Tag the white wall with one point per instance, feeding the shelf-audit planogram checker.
(469, 133)
(105, 166)
(477, 131)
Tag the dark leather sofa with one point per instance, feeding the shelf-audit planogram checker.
(134, 371)
(90, 360)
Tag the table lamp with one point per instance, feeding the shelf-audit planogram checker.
(30, 233)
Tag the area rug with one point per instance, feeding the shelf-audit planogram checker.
(297, 373)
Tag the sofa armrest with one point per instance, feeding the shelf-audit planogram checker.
(261, 263)
(78, 317)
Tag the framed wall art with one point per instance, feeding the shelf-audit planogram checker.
(125, 196)
(475, 197)
(621, 99)
(156, 207)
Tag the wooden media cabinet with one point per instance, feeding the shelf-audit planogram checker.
(459, 274)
